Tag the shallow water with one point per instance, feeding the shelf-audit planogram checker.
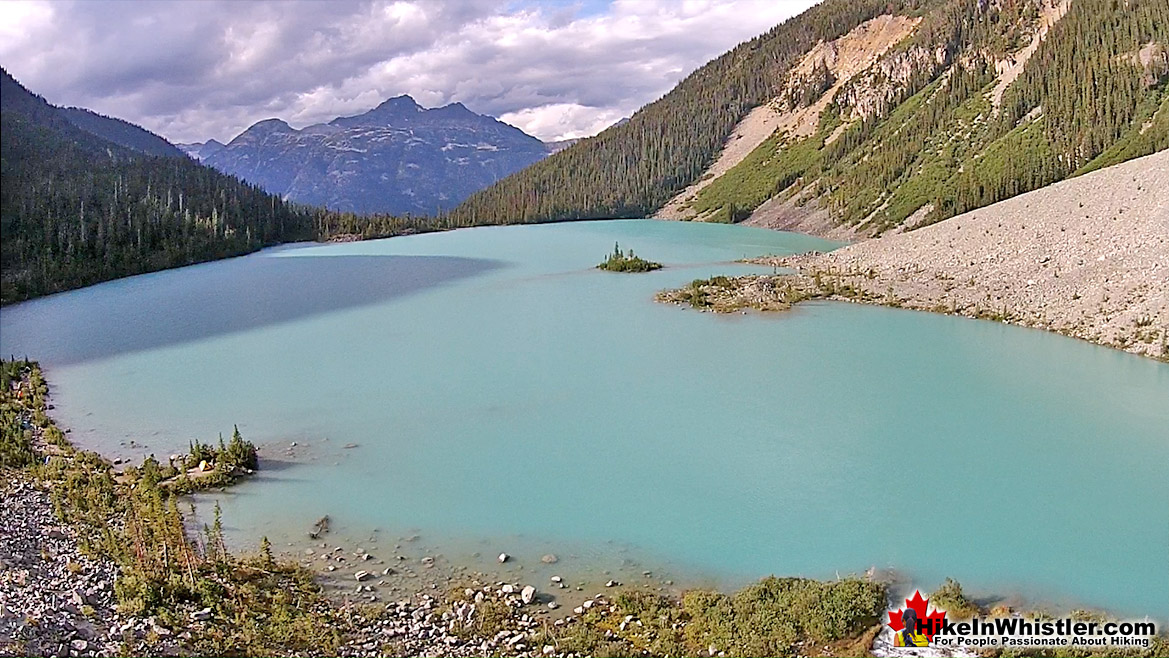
(505, 395)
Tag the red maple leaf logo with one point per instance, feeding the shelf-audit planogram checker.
(930, 621)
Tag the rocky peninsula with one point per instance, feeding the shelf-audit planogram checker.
(1087, 257)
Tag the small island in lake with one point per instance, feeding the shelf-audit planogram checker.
(627, 262)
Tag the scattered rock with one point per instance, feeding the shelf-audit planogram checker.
(528, 594)
(504, 557)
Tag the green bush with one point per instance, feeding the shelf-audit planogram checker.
(952, 599)
(771, 616)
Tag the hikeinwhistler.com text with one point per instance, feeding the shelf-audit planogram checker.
(1019, 632)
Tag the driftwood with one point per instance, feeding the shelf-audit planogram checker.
(320, 527)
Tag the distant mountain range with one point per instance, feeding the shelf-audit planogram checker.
(201, 150)
(396, 158)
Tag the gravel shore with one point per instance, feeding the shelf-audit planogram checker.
(56, 600)
(1087, 257)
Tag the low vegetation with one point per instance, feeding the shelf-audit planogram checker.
(627, 262)
(724, 294)
(774, 617)
(256, 605)
(953, 600)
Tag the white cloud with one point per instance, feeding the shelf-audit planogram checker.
(195, 70)
(557, 121)
(19, 19)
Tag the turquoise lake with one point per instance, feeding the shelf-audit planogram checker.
(500, 390)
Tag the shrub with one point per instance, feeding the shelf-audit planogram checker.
(952, 599)
(771, 616)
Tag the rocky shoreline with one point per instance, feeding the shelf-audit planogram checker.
(65, 590)
(54, 599)
(58, 600)
(352, 572)
(59, 596)
(1087, 258)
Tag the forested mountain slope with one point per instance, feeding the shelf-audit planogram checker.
(122, 133)
(977, 101)
(76, 209)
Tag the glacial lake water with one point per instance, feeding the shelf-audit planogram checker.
(504, 394)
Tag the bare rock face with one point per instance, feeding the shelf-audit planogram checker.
(397, 158)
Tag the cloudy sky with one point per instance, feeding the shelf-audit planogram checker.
(193, 70)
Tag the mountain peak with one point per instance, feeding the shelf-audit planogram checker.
(398, 103)
(398, 158)
(271, 125)
(454, 109)
(398, 109)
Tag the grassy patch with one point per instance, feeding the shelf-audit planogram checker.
(769, 169)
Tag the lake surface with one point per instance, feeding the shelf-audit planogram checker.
(503, 394)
